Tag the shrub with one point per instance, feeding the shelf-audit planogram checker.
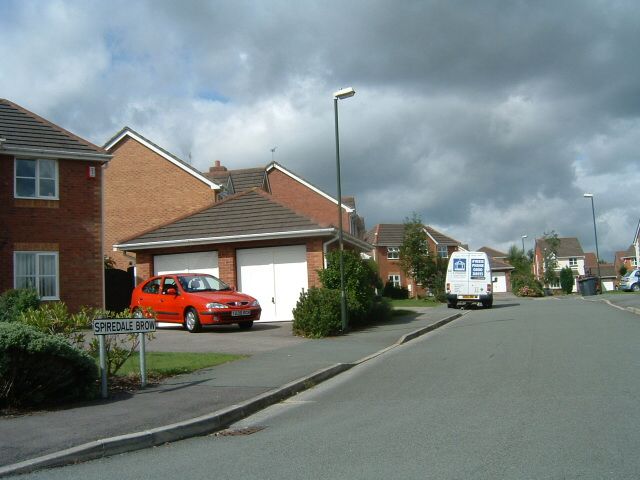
(36, 368)
(566, 280)
(317, 313)
(14, 302)
(55, 319)
(396, 293)
(381, 310)
(525, 285)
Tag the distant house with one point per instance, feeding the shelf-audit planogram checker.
(387, 239)
(569, 254)
(264, 230)
(607, 271)
(500, 268)
(51, 214)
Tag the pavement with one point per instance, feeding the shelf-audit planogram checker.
(278, 366)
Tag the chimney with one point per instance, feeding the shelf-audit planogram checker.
(217, 168)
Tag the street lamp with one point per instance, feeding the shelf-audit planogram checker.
(595, 232)
(341, 95)
(523, 237)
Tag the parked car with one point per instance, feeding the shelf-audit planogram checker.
(194, 300)
(630, 281)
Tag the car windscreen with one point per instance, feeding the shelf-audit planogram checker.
(202, 283)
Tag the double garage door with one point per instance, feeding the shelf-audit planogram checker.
(275, 276)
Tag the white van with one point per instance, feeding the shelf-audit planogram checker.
(469, 279)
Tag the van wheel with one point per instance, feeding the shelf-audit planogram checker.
(487, 304)
(452, 305)
(636, 287)
(191, 321)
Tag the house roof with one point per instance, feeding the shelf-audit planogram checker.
(607, 270)
(628, 253)
(240, 180)
(392, 235)
(568, 247)
(127, 132)
(25, 133)
(251, 215)
(498, 265)
(492, 252)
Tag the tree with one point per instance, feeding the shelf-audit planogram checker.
(623, 270)
(566, 280)
(414, 251)
(549, 258)
(522, 280)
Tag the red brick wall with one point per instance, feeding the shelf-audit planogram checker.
(70, 225)
(144, 190)
(303, 200)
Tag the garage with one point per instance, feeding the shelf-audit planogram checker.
(275, 276)
(199, 262)
(500, 285)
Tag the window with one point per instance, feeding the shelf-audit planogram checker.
(393, 253)
(573, 262)
(395, 281)
(153, 286)
(39, 271)
(36, 178)
(443, 252)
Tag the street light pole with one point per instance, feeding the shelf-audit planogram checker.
(595, 232)
(341, 95)
(523, 237)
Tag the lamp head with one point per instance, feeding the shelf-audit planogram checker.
(344, 93)
(525, 236)
(588, 195)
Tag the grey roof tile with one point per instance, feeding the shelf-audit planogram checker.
(569, 247)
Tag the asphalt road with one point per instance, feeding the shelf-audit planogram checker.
(530, 389)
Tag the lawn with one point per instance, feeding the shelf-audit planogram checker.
(166, 364)
(414, 302)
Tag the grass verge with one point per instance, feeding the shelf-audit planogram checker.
(166, 364)
(414, 302)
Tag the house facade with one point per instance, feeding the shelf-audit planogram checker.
(569, 254)
(51, 215)
(263, 230)
(387, 239)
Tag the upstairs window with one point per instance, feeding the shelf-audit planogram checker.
(573, 262)
(38, 271)
(393, 253)
(36, 179)
(443, 252)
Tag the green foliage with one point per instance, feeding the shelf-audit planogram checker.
(381, 310)
(317, 313)
(36, 368)
(395, 293)
(623, 270)
(566, 280)
(549, 258)
(414, 251)
(54, 319)
(525, 285)
(14, 302)
(360, 279)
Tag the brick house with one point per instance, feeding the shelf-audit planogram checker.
(238, 225)
(569, 254)
(51, 215)
(386, 240)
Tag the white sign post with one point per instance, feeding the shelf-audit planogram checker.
(122, 326)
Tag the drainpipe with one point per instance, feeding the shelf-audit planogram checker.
(325, 246)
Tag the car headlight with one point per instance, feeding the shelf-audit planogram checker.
(213, 305)
(255, 303)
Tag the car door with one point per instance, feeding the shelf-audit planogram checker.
(170, 301)
(148, 297)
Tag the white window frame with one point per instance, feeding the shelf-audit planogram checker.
(443, 249)
(395, 280)
(573, 262)
(37, 274)
(36, 179)
(393, 253)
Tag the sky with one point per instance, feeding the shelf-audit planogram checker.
(488, 119)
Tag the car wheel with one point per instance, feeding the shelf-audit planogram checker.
(636, 287)
(245, 325)
(191, 321)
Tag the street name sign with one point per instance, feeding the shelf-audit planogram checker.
(119, 326)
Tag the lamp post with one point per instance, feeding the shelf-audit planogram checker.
(595, 232)
(523, 237)
(341, 95)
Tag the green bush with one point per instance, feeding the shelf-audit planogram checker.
(396, 293)
(36, 368)
(317, 313)
(566, 280)
(525, 285)
(54, 319)
(381, 311)
(14, 302)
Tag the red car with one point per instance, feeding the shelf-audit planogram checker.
(193, 300)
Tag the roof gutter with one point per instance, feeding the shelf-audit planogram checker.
(61, 154)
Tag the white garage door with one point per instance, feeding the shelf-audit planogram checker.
(200, 262)
(275, 276)
(501, 285)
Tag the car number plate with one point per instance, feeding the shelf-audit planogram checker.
(469, 296)
(240, 313)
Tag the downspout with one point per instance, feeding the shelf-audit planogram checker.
(325, 246)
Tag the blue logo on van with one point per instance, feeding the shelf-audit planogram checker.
(460, 265)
